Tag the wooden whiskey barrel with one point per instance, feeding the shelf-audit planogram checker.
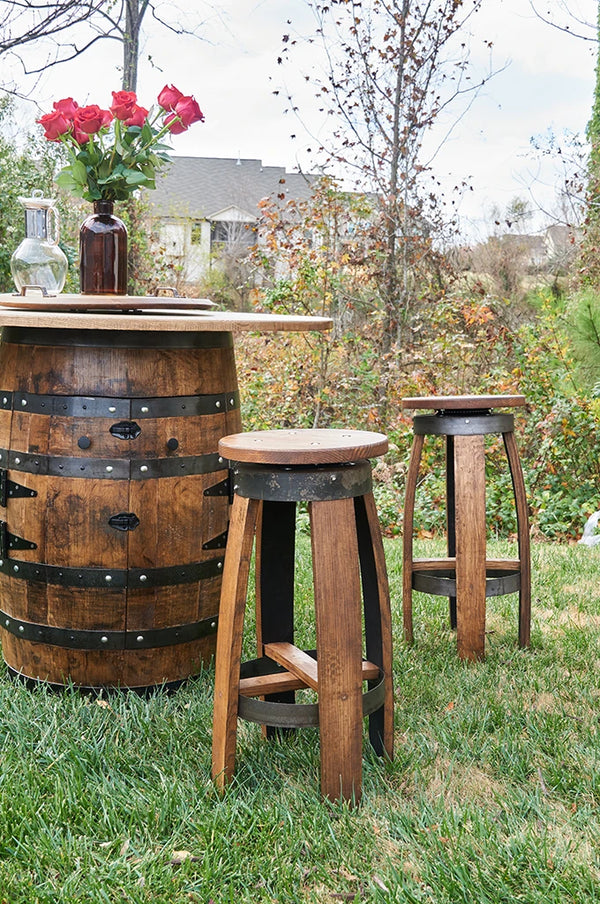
(113, 502)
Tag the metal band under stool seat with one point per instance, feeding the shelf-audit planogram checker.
(309, 484)
(472, 423)
(442, 582)
(293, 715)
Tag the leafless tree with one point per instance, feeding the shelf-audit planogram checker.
(71, 27)
(393, 68)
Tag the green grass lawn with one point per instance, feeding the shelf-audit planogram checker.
(493, 795)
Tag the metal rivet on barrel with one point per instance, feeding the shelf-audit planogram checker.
(104, 639)
(219, 564)
(217, 404)
(467, 421)
(5, 400)
(84, 442)
(112, 409)
(7, 622)
(333, 477)
(220, 460)
(108, 578)
(140, 638)
(1, 562)
(213, 624)
(144, 468)
(109, 468)
(23, 402)
(232, 401)
(15, 567)
(145, 409)
(143, 577)
(21, 628)
(17, 461)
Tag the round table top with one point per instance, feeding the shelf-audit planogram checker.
(120, 312)
(464, 402)
(303, 447)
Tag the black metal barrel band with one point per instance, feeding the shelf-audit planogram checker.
(110, 468)
(307, 484)
(442, 582)
(161, 340)
(120, 408)
(297, 715)
(78, 639)
(111, 578)
(469, 424)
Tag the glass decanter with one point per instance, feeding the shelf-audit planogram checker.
(38, 261)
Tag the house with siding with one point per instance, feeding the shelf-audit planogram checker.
(202, 205)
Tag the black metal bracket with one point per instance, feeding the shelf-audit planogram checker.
(224, 488)
(11, 541)
(218, 542)
(12, 489)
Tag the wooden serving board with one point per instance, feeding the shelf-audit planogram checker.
(117, 303)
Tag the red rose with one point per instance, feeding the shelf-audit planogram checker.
(55, 125)
(91, 119)
(186, 112)
(137, 116)
(68, 107)
(168, 97)
(123, 105)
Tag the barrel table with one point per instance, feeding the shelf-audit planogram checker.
(113, 498)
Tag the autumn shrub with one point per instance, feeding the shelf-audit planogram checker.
(465, 346)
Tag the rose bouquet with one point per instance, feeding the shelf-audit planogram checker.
(116, 151)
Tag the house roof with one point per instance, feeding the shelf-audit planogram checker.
(201, 187)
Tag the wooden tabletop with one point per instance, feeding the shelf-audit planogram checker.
(39, 313)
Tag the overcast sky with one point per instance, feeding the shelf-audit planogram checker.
(232, 70)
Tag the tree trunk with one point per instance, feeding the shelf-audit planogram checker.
(134, 14)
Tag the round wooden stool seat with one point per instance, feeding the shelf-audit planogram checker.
(272, 471)
(303, 447)
(464, 402)
(467, 576)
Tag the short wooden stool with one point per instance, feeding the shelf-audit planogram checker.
(272, 471)
(467, 577)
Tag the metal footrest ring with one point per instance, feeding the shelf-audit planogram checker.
(293, 715)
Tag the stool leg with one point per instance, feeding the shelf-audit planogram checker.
(518, 483)
(275, 554)
(378, 618)
(469, 473)
(407, 535)
(451, 516)
(339, 646)
(229, 636)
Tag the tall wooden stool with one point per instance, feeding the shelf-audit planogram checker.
(272, 470)
(467, 577)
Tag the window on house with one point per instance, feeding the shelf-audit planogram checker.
(232, 235)
(196, 232)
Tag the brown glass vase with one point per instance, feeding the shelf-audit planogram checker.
(103, 252)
